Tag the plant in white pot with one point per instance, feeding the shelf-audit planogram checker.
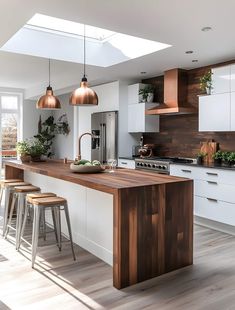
(147, 93)
(206, 82)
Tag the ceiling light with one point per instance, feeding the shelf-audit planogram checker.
(48, 101)
(194, 60)
(188, 52)
(84, 95)
(205, 29)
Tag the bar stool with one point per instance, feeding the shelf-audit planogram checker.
(29, 203)
(8, 187)
(2, 186)
(55, 203)
(18, 202)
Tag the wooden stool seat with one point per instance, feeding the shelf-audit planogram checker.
(49, 201)
(13, 184)
(30, 197)
(2, 182)
(27, 188)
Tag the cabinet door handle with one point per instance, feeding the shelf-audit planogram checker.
(123, 163)
(212, 199)
(185, 170)
(212, 182)
(212, 173)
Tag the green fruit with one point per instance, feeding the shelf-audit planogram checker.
(83, 162)
(88, 164)
(96, 163)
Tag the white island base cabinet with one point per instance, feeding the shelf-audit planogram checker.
(91, 214)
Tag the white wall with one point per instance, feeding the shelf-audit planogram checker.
(31, 117)
(63, 145)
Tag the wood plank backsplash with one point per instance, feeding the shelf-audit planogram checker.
(179, 135)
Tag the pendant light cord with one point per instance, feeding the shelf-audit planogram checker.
(84, 50)
(49, 72)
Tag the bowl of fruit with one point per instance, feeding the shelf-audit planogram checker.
(86, 166)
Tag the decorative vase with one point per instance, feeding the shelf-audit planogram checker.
(199, 160)
(150, 97)
(25, 158)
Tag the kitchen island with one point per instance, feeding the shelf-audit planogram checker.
(151, 214)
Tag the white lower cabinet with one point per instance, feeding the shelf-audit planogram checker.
(214, 192)
(126, 163)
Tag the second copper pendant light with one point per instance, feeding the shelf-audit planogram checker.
(84, 96)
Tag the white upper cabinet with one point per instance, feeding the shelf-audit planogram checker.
(232, 78)
(137, 120)
(133, 92)
(221, 81)
(214, 112)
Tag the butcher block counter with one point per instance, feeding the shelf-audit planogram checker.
(152, 227)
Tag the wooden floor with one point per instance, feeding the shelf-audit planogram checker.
(60, 283)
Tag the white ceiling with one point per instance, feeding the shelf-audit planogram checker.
(177, 23)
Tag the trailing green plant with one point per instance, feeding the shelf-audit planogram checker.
(23, 147)
(206, 81)
(144, 92)
(48, 129)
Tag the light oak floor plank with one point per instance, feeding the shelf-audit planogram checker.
(60, 283)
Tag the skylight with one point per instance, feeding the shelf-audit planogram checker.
(48, 23)
(55, 38)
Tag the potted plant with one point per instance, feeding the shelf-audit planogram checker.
(200, 157)
(37, 149)
(23, 149)
(225, 158)
(218, 157)
(206, 82)
(231, 158)
(147, 93)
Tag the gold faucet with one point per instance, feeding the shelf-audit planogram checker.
(79, 143)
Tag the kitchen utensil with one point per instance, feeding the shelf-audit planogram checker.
(209, 147)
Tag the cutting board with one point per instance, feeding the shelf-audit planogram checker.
(209, 147)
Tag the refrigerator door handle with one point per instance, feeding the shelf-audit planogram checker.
(101, 143)
(104, 144)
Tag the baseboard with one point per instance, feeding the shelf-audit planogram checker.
(228, 229)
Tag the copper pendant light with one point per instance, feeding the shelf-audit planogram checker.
(84, 96)
(49, 101)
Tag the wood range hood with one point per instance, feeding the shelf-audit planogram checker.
(175, 95)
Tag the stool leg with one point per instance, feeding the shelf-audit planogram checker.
(58, 224)
(23, 225)
(1, 192)
(44, 224)
(13, 202)
(6, 208)
(20, 212)
(66, 210)
(35, 234)
(54, 224)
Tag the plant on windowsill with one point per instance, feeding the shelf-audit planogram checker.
(23, 149)
(206, 82)
(147, 93)
(200, 157)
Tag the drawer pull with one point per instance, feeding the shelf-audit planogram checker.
(212, 182)
(212, 199)
(212, 173)
(123, 163)
(185, 170)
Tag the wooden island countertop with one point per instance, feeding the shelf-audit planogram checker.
(152, 217)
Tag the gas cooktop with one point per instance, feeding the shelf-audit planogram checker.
(159, 164)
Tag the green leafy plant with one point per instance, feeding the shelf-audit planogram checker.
(218, 155)
(231, 157)
(201, 155)
(23, 147)
(144, 92)
(37, 148)
(225, 156)
(206, 81)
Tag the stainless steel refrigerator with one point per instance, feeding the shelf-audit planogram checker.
(104, 127)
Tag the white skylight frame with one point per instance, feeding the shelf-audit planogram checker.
(54, 38)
